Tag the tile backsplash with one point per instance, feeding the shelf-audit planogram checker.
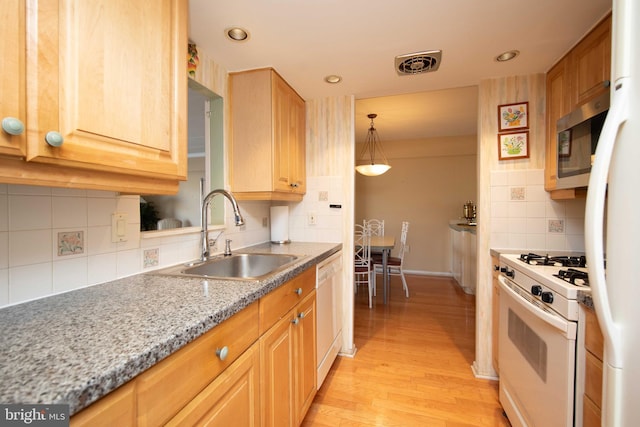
(523, 216)
(54, 240)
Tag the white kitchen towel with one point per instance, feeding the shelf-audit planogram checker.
(280, 224)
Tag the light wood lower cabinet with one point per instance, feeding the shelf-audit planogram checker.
(268, 376)
(288, 351)
(118, 408)
(594, 346)
(495, 311)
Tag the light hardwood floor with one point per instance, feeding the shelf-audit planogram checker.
(413, 364)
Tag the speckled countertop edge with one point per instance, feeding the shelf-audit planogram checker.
(76, 347)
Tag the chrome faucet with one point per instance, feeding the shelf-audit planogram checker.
(206, 202)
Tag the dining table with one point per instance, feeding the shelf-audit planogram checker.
(384, 244)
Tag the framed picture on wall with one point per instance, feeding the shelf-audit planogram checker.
(512, 117)
(514, 145)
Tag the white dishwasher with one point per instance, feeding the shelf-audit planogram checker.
(329, 309)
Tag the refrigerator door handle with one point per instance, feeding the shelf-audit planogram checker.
(594, 219)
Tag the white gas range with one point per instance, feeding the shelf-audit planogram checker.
(541, 328)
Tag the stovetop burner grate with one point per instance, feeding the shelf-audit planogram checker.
(558, 261)
(573, 276)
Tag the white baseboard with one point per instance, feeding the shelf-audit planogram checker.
(429, 273)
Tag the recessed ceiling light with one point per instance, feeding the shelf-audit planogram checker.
(507, 56)
(333, 79)
(237, 34)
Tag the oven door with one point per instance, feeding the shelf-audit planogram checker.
(537, 360)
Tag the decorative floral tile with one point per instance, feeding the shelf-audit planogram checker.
(151, 257)
(556, 226)
(518, 193)
(70, 243)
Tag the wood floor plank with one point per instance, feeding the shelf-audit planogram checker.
(413, 364)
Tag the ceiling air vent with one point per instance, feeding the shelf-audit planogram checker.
(420, 62)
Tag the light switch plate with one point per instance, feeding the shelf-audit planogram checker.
(118, 227)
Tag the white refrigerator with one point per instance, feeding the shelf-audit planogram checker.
(612, 224)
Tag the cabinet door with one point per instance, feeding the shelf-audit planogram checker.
(558, 99)
(305, 356)
(231, 400)
(12, 73)
(277, 375)
(282, 141)
(298, 149)
(591, 64)
(115, 409)
(110, 77)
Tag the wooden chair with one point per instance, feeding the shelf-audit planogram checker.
(395, 264)
(363, 268)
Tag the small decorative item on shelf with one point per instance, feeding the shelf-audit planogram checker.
(192, 59)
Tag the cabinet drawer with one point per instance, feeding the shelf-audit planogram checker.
(593, 340)
(278, 302)
(167, 387)
(593, 378)
(230, 400)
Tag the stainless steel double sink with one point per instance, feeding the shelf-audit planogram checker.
(240, 266)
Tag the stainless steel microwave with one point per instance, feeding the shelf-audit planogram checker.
(578, 134)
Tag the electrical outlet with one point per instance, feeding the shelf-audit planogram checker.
(265, 222)
(311, 218)
(323, 196)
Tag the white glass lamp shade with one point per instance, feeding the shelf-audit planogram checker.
(372, 169)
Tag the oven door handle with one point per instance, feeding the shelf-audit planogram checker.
(566, 327)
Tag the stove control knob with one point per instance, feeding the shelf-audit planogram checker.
(511, 273)
(503, 269)
(536, 290)
(496, 267)
(547, 297)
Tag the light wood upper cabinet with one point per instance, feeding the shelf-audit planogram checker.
(267, 154)
(578, 77)
(12, 74)
(590, 64)
(558, 105)
(109, 77)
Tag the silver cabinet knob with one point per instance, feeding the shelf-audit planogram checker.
(222, 353)
(12, 126)
(54, 139)
(298, 291)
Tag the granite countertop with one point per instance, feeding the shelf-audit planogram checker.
(78, 346)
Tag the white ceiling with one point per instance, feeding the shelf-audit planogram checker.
(306, 40)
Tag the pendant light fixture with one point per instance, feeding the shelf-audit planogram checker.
(375, 163)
